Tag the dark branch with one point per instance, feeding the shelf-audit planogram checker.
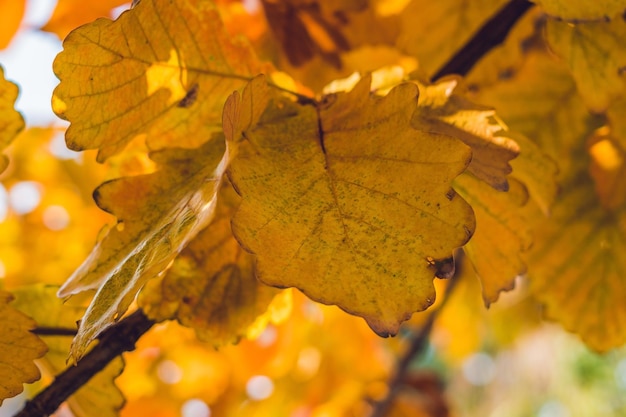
(113, 342)
(490, 35)
(53, 331)
(418, 345)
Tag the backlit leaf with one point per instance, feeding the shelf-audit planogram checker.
(100, 392)
(595, 54)
(348, 201)
(445, 111)
(434, 30)
(161, 71)
(501, 232)
(211, 287)
(18, 349)
(10, 19)
(11, 122)
(157, 215)
(583, 10)
(577, 264)
(70, 14)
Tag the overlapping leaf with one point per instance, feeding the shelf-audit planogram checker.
(157, 215)
(10, 20)
(445, 111)
(100, 392)
(434, 30)
(11, 122)
(595, 55)
(501, 236)
(162, 70)
(211, 287)
(70, 14)
(577, 265)
(18, 349)
(582, 10)
(541, 102)
(348, 202)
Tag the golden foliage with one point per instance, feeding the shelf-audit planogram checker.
(11, 122)
(70, 14)
(18, 349)
(10, 20)
(331, 193)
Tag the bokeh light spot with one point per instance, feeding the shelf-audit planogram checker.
(56, 218)
(25, 196)
(479, 369)
(169, 372)
(259, 387)
(195, 408)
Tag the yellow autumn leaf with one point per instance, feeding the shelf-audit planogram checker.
(501, 232)
(70, 14)
(100, 392)
(434, 30)
(10, 20)
(595, 54)
(541, 101)
(211, 287)
(576, 265)
(157, 215)
(11, 122)
(615, 114)
(161, 71)
(18, 349)
(347, 201)
(582, 10)
(445, 111)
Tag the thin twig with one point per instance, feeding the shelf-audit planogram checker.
(113, 342)
(490, 35)
(417, 346)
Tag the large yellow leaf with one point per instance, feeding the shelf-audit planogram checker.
(211, 287)
(162, 71)
(70, 14)
(18, 349)
(501, 236)
(10, 20)
(157, 215)
(594, 53)
(347, 201)
(445, 111)
(434, 30)
(100, 392)
(582, 10)
(11, 122)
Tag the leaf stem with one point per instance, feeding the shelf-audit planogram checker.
(490, 35)
(417, 346)
(114, 341)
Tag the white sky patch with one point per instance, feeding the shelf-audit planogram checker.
(28, 63)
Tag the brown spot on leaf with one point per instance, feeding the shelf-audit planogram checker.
(190, 97)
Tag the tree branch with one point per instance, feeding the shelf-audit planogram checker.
(490, 35)
(417, 346)
(113, 342)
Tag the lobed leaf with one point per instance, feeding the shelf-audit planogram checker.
(348, 202)
(502, 234)
(18, 349)
(158, 214)
(100, 392)
(582, 10)
(211, 286)
(445, 111)
(11, 122)
(594, 53)
(161, 71)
